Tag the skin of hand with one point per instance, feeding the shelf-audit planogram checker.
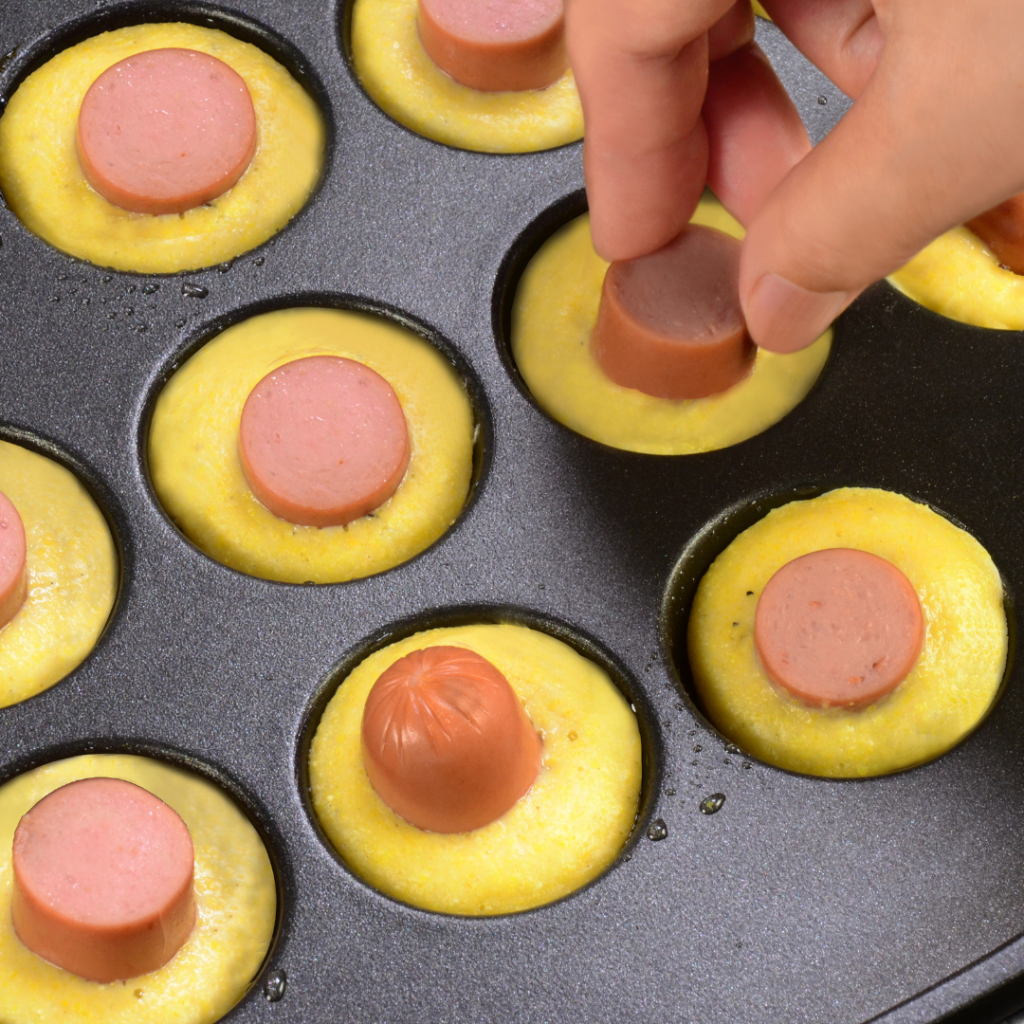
(675, 94)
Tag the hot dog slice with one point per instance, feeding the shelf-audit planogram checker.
(670, 323)
(446, 743)
(103, 880)
(166, 130)
(1002, 230)
(13, 577)
(838, 628)
(323, 441)
(496, 45)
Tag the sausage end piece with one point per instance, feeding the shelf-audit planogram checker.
(447, 745)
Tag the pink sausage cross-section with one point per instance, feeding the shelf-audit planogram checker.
(323, 441)
(496, 45)
(13, 576)
(838, 627)
(670, 323)
(166, 130)
(103, 880)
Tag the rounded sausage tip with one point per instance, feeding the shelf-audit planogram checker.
(323, 441)
(103, 880)
(447, 745)
(13, 572)
(497, 46)
(166, 130)
(670, 323)
(1002, 230)
(838, 628)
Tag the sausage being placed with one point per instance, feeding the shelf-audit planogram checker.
(323, 440)
(496, 45)
(838, 628)
(166, 130)
(446, 743)
(1002, 230)
(13, 575)
(670, 323)
(103, 880)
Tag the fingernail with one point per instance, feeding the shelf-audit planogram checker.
(783, 317)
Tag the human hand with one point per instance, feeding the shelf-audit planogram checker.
(929, 142)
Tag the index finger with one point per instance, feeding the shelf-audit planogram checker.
(641, 67)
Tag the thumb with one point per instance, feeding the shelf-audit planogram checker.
(918, 153)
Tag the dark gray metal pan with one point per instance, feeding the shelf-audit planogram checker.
(802, 900)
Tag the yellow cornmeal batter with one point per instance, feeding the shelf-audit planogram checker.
(236, 901)
(405, 83)
(44, 185)
(960, 277)
(949, 689)
(72, 574)
(553, 316)
(567, 829)
(193, 448)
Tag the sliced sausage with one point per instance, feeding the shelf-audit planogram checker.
(670, 323)
(166, 130)
(1002, 230)
(446, 743)
(496, 45)
(103, 880)
(838, 628)
(13, 575)
(323, 441)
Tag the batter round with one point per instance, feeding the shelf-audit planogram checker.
(197, 473)
(44, 184)
(72, 571)
(553, 315)
(405, 83)
(236, 902)
(948, 691)
(958, 276)
(567, 829)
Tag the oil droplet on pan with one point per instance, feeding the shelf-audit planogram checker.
(274, 986)
(657, 830)
(712, 804)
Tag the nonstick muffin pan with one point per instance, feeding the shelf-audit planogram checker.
(745, 894)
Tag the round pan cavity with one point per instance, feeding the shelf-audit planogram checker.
(237, 887)
(551, 666)
(547, 307)
(444, 410)
(43, 180)
(73, 569)
(951, 687)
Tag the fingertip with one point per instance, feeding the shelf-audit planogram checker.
(639, 204)
(615, 238)
(784, 317)
(734, 30)
(755, 134)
